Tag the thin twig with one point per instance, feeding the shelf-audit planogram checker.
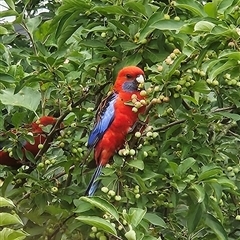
(169, 125)
(223, 109)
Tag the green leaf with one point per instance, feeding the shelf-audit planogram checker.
(193, 6)
(3, 30)
(230, 55)
(10, 4)
(155, 220)
(139, 164)
(11, 234)
(185, 165)
(4, 202)
(201, 86)
(227, 183)
(211, 9)
(8, 219)
(213, 73)
(209, 173)
(200, 192)
(168, 25)
(147, 29)
(102, 204)
(136, 216)
(106, 10)
(27, 98)
(136, 6)
(189, 98)
(233, 116)
(33, 23)
(99, 223)
(8, 13)
(6, 78)
(216, 227)
(194, 216)
(204, 26)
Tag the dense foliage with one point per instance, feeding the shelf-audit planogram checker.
(180, 178)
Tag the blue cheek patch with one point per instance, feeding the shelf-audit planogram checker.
(130, 86)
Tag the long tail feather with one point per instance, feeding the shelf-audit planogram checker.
(94, 183)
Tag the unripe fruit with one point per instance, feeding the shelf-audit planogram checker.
(168, 61)
(118, 198)
(134, 96)
(160, 68)
(92, 235)
(172, 55)
(30, 134)
(149, 134)
(166, 16)
(74, 150)
(202, 74)
(132, 152)
(229, 169)
(177, 18)
(120, 227)
(176, 51)
(154, 100)
(61, 144)
(145, 154)
(155, 134)
(94, 229)
(40, 146)
(137, 134)
(103, 237)
(90, 109)
(236, 170)
(215, 82)
(136, 190)
(134, 109)
(40, 165)
(111, 193)
(237, 217)
(178, 87)
(47, 162)
(54, 189)
(103, 34)
(126, 152)
(137, 196)
(143, 93)
(166, 99)
(138, 105)
(104, 189)
(73, 124)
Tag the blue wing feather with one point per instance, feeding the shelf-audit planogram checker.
(105, 116)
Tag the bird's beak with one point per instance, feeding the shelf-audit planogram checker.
(140, 81)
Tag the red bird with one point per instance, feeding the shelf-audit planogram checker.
(114, 119)
(39, 137)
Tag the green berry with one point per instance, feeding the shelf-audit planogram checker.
(40, 146)
(111, 193)
(118, 198)
(104, 189)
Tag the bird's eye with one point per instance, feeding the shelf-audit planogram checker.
(128, 76)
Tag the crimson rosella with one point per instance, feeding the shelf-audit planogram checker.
(115, 118)
(36, 128)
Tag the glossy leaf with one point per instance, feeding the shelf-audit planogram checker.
(102, 204)
(99, 223)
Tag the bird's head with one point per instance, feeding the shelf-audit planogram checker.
(129, 79)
